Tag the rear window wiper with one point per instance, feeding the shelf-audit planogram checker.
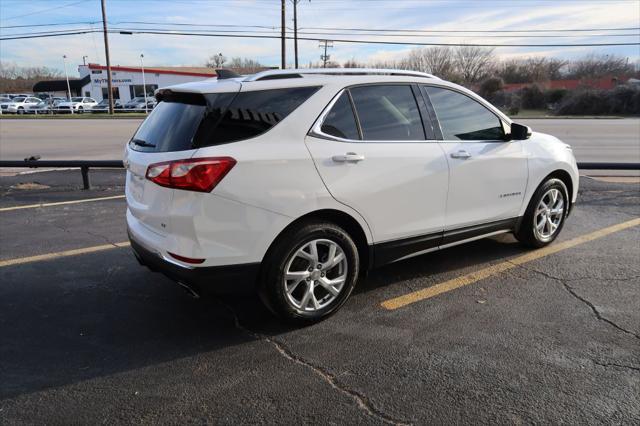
(140, 142)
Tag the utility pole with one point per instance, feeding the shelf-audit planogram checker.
(106, 55)
(295, 30)
(282, 36)
(325, 58)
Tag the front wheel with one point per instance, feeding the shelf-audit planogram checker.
(309, 272)
(545, 214)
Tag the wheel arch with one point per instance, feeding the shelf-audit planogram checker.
(342, 219)
(565, 177)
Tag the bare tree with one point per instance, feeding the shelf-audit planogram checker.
(14, 78)
(216, 61)
(473, 63)
(245, 65)
(352, 63)
(436, 60)
(594, 66)
(531, 70)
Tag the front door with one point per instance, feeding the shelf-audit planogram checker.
(371, 151)
(487, 175)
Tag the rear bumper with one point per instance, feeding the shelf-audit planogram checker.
(227, 279)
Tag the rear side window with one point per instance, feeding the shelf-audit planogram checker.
(462, 118)
(184, 121)
(340, 121)
(388, 112)
(253, 113)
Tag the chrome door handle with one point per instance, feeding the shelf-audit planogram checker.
(461, 154)
(349, 157)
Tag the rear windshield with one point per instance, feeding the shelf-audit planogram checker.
(185, 121)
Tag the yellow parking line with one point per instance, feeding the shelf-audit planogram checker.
(57, 255)
(60, 203)
(416, 296)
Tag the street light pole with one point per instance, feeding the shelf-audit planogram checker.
(84, 60)
(64, 62)
(144, 85)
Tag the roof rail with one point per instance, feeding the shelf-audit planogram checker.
(300, 72)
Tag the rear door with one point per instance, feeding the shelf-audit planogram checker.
(168, 134)
(375, 155)
(488, 175)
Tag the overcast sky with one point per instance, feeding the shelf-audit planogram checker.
(374, 14)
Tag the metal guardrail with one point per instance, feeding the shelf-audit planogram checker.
(84, 166)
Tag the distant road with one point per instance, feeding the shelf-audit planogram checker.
(608, 140)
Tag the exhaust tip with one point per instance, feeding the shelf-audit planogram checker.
(190, 290)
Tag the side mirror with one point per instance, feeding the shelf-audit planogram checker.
(519, 132)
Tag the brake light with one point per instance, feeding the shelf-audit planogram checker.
(194, 174)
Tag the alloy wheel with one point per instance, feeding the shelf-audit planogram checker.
(315, 275)
(549, 214)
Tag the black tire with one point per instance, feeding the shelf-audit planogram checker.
(80, 110)
(526, 233)
(272, 284)
(20, 111)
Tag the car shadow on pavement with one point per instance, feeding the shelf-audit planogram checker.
(75, 319)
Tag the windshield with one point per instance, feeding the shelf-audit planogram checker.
(76, 99)
(18, 99)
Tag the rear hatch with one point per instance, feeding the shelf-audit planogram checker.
(172, 131)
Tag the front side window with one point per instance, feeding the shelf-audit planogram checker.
(462, 118)
(388, 112)
(340, 121)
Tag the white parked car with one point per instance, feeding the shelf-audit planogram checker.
(78, 104)
(22, 105)
(296, 182)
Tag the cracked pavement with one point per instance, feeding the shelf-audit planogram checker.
(97, 338)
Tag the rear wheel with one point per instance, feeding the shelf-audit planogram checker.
(545, 214)
(310, 272)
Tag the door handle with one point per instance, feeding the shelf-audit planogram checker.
(461, 154)
(349, 157)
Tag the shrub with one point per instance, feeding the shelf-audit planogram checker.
(490, 87)
(554, 96)
(532, 97)
(624, 100)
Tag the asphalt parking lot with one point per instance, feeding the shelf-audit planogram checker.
(483, 333)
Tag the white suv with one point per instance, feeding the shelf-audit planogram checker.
(296, 182)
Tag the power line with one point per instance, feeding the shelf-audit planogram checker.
(471, 31)
(44, 10)
(317, 39)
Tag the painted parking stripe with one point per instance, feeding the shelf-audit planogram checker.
(67, 253)
(60, 203)
(473, 277)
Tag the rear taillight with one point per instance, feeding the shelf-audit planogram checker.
(194, 174)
